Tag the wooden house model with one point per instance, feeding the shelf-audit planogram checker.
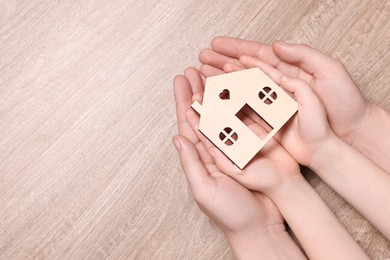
(225, 95)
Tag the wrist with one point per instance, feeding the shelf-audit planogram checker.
(308, 216)
(371, 139)
(272, 242)
(286, 188)
(255, 234)
(326, 154)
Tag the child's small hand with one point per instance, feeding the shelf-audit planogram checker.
(308, 132)
(276, 174)
(310, 141)
(359, 123)
(250, 220)
(305, 135)
(346, 107)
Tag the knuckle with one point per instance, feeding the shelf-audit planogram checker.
(337, 65)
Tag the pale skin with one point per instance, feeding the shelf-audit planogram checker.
(357, 122)
(275, 173)
(363, 183)
(250, 221)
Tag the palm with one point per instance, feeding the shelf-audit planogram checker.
(266, 170)
(345, 105)
(329, 79)
(235, 208)
(229, 204)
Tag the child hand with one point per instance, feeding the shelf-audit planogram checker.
(308, 132)
(276, 174)
(305, 136)
(310, 141)
(346, 107)
(246, 217)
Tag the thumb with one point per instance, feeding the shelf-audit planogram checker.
(310, 108)
(227, 167)
(194, 169)
(307, 58)
(302, 91)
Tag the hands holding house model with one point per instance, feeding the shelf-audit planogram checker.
(335, 132)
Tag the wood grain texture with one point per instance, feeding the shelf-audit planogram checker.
(87, 169)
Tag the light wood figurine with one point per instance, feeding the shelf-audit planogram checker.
(226, 95)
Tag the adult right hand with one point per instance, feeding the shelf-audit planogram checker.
(346, 107)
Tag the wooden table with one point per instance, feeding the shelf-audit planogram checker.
(87, 168)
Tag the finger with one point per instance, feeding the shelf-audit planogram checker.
(209, 71)
(215, 59)
(245, 116)
(202, 142)
(194, 169)
(311, 123)
(271, 72)
(310, 107)
(193, 120)
(203, 78)
(244, 177)
(276, 73)
(294, 71)
(307, 58)
(205, 157)
(234, 48)
(230, 67)
(260, 128)
(183, 97)
(183, 100)
(224, 164)
(304, 94)
(195, 80)
(285, 136)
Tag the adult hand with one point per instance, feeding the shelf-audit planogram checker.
(275, 173)
(347, 109)
(247, 218)
(230, 205)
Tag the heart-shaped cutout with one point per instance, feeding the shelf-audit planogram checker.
(225, 94)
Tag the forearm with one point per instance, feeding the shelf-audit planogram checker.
(275, 243)
(358, 180)
(373, 139)
(320, 233)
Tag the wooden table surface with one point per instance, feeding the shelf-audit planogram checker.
(87, 168)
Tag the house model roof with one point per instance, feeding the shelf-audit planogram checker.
(226, 95)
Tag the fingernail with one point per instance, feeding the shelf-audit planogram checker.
(212, 152)
(285, 78)
(243, 58)
(176, 143)
(283, 42)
